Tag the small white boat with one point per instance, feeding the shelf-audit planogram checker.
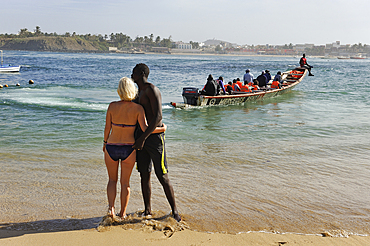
(7, 68)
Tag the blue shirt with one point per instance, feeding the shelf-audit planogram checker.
(277, 77)
(268, 77)
(248, 77)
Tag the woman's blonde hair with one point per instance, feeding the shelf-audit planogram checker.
(127, 90)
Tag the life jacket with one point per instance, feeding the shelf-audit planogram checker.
(303, 61)
(275, 85)
(255, 87)
(295, 74)
(239, 83)
(250, 84)
(245, 88)
(225, 86)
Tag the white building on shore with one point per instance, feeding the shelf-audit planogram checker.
(183, 46)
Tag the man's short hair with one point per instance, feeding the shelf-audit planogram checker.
(141, 67)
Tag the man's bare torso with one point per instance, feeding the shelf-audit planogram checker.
(151, 100)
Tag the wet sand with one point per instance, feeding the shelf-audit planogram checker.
(117, 236)
(157, 230)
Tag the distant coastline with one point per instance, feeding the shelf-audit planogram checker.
(121, 43)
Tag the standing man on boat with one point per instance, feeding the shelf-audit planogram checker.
(303, 63)
(150, 146)
(248, 77)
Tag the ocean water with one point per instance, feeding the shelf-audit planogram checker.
(295, 163)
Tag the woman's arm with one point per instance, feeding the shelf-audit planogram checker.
(160, 129)
(144, 124)
(108, 126)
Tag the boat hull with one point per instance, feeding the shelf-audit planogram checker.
(241, 98)
(9, 69)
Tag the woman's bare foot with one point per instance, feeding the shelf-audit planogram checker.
(122, 216)
(111, 212)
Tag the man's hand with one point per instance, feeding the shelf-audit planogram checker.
(139, 143)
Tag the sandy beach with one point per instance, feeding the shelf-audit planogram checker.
(116, 235)
(158, 230)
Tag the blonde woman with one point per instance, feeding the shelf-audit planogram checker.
(120, 124)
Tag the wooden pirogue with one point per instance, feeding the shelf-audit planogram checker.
(192, 97)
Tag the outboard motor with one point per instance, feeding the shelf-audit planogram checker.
(190, 95)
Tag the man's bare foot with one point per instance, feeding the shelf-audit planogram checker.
(146, 215)
(177, 217)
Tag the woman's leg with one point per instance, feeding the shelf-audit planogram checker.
(126, 169)
(112, 168)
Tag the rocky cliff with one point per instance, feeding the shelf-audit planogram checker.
(72, 44)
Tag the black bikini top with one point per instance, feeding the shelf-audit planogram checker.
(123, 125)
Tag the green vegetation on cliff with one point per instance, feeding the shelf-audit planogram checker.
(52, 44)
(39, 41)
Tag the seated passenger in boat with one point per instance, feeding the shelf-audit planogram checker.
(221, 84)
(303, 63)
(212, 88)
(229, 88)
(255, 85)
(278, 77)
(262, 80)
(275, 85)
(267, 75)
(239, 83)
(245, 87)
(235, 85)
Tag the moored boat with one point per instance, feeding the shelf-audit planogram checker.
(192, 97)
(7, 68)
(358, 56)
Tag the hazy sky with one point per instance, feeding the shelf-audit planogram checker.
(235, 21)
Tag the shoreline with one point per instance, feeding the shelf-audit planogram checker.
(156, 53)
(146, 236)
(161, 230)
